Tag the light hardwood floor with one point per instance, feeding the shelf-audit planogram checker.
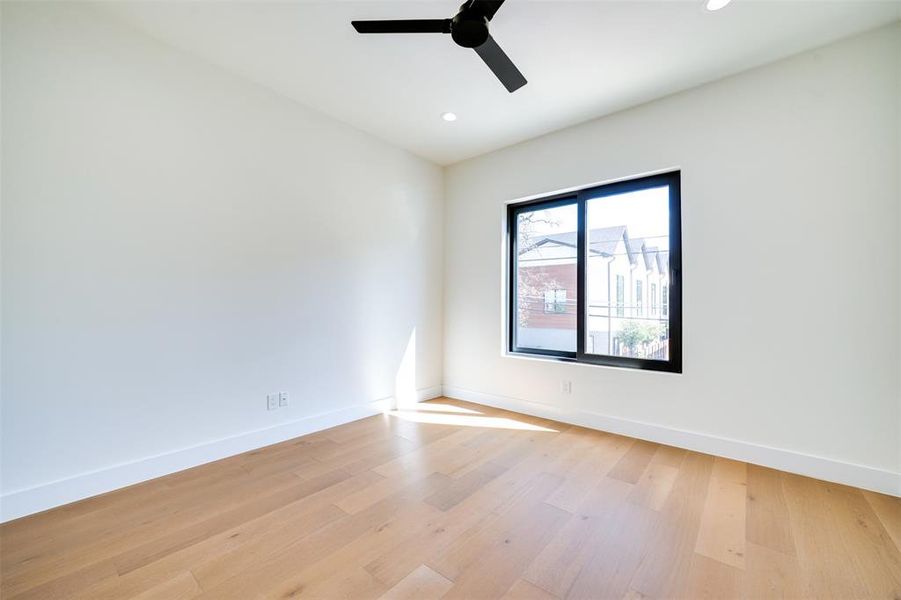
(455, 500)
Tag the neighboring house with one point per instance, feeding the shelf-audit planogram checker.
(627, 281)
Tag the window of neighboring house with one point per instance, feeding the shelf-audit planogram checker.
(620, 295)
(555, 301)
(639, 298)
(585, 240)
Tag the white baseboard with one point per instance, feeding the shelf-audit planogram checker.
(24, 502)
(869, 478)
(20, 503)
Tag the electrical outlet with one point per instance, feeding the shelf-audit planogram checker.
(271, 401)
(283, 398)
(566, 386)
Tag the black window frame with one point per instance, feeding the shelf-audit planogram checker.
(580, 198)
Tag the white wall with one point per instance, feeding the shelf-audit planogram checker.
(791, 266)
(176, 243)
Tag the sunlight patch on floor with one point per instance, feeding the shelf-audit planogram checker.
(466, 420)
(444, 408)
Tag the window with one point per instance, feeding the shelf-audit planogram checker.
(575, 257)
(639, 298)
(620, 295)
(544, 244)
(555, 301)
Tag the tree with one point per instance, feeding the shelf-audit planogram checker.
(635, 335)
(532, 281)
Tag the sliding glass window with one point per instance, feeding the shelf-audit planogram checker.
(595, 275)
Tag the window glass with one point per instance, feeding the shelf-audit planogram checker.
(546, 278)
(628, 239)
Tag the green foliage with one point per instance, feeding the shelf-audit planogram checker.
(634, 334)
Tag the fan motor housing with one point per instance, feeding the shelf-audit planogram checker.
(469, 30)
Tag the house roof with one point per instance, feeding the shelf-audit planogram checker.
(663, 260)
(652, 255)
(600, 241)
(605, 241)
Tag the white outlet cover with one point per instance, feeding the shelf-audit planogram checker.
(283, 398)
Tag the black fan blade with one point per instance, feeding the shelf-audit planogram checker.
(486, 8)
(501, 65)
(403, 26)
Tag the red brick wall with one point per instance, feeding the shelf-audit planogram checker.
(548, 278)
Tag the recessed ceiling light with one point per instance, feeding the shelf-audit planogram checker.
(716, 4)
(449, 116)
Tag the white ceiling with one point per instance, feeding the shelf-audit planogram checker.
(582, 59)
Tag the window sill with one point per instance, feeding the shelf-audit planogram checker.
(665, 370)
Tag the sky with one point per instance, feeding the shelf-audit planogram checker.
(645, 213)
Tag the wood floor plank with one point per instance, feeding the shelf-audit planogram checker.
(710, 579)
(869, 545)
(350, 582)
(670, 548)
(90, 549)
(433, 537)
(446, 455)
(232, 549)
(318, 577)
(726, 469)
(722, 531)
(655, 486)
(489, 562)
(51, 588)
(593, 467)
(823, 557)
(236, 547)
(523, 590)
(888, 510)
(556, 567)
(155, 549)
(463, 487)
(496, 497)
(527, 511)
(768, 520)
(634, 462)
(462, 501)
(669, 456)
(285, 568)
(618, 544)
(181, 587)
(421, 583)
(506, 447)
(770, 573)
(122, 517)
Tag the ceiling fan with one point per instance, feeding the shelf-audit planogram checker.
(468, 28)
